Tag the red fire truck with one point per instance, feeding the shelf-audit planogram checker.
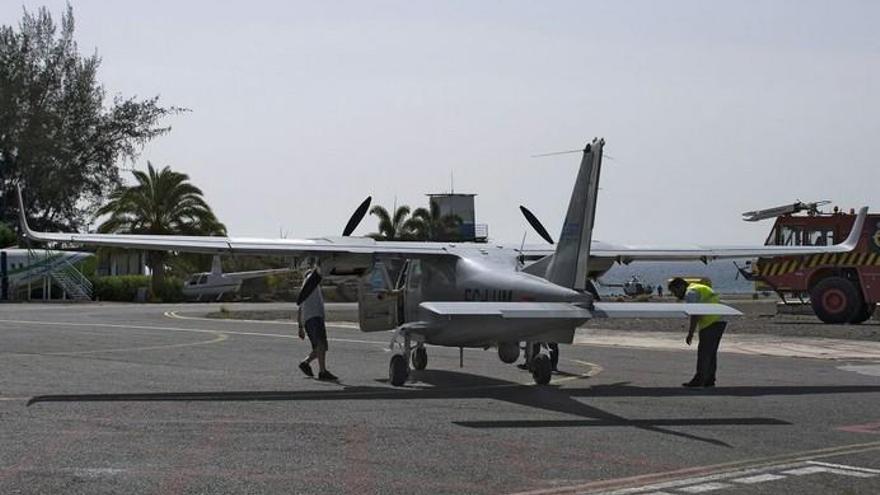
(842, 288)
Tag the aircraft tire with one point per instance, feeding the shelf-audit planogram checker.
(836, 300)
(420, 358)
(542, 369)
(865, 313)
(398, 370)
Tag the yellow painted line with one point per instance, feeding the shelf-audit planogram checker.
(220, 338)
(179, 329)
(594, 369)
(174, 314)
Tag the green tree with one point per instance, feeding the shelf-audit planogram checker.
(162, 202)
(59, 137)
(7, 236)
(391, 228)
(428, 224)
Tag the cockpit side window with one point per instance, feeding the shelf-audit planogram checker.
(203, 280)
(414, 275)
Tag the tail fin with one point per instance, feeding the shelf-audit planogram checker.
(569, 265)
(216, 265)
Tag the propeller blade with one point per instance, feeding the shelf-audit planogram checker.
(356, 217)
(536, 224)
(313, 281)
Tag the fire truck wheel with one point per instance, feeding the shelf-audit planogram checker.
(836, 300)
(865, 313)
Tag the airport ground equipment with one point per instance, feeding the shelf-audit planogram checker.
(475, 295)
(840, 287)
(53, 271)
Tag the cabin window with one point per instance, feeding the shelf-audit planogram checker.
(203, 280)
(819, 237)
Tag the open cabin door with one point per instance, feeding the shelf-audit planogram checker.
(377, 301)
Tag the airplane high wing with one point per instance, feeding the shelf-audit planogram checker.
(695, 252)
(475, 295)
(367, 246)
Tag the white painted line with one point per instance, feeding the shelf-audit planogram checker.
(822, 469)
(761, 478)
(705, 487)
(675, 484)
(806, 470)
(843, 466)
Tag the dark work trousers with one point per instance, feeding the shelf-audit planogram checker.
(707, 352)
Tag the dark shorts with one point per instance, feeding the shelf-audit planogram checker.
(317, 333)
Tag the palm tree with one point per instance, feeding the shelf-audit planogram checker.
(391, 228)
(161, 203)
(430, 225)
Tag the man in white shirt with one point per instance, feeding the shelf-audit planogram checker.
(311, 323)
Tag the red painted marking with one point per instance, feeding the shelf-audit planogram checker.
(865, 428)
(358, 476)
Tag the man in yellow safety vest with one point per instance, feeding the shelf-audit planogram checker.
(710, 329)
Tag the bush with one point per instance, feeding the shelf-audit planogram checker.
(7, 236)
(124, 288)
(119, 287)
(171, 290)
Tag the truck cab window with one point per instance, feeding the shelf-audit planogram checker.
(790, 236)
(820, 237)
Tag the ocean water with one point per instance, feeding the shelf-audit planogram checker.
(723, 274)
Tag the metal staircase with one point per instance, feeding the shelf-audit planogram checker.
(74, 284)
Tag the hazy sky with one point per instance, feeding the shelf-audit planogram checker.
(300, 110)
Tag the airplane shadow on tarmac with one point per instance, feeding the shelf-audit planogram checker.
(441, 384)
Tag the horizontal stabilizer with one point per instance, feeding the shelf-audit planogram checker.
(660, 310)
(508, 310)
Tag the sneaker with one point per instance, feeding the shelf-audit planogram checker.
(692, 384)
(327, 376)
(304, 366)
(709, 384)
(523, 366)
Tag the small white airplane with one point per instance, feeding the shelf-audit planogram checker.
(215, 284)
(476, 295)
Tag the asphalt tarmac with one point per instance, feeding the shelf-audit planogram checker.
(154, 399)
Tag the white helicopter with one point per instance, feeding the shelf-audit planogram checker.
(215, 284)
(475, 295)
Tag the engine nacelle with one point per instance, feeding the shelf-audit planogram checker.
(508, 352)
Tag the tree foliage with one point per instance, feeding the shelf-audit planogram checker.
(391, 227)
(7, 236)
(425, 224)
(162, 202)
(428, 224)
(59, 136)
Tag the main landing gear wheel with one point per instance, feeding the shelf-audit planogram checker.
(836, 300)
(420, 358)
(398, 370)
(865, 313)
(542, 369)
